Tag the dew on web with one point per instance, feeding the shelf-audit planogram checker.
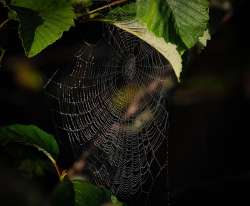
(129, 67)
(112, 106)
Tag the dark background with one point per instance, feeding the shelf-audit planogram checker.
(209, 127)
(209, 139)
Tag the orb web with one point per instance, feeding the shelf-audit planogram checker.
(111, 105)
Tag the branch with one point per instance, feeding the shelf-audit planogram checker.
(107, 6)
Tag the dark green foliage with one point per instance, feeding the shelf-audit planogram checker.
(29, 136)
(31, 152)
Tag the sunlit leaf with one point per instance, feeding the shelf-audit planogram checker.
(205, 38)
(177, 21)
(42, 22)
(125, 18)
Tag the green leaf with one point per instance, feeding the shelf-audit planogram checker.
(42, 22)
(168, 50)
(80, 192)
(87, 194)
(170, 26)
(64, 195)
(177, 21)
(28, 149)
(125, 18)
(29, 135)
(180, 22)
(205, 38)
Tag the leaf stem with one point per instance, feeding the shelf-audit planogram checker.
(107, 6)
(53, 161)
(4, 23)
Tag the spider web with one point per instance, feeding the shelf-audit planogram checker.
(111, 106)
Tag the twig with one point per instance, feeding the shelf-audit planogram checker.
(2, 53)
(107, 6)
